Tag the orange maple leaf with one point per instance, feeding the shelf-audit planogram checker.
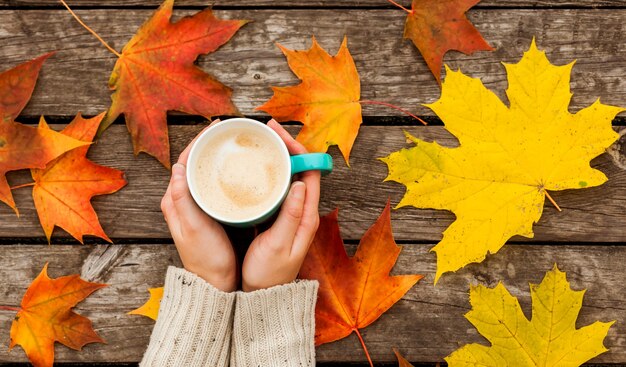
(155, 73)
(437, 26)
(402, 362)
(326, 101)
(24, 146)
(45, 316)
(151, 307)
(63, 190)
(354, 292)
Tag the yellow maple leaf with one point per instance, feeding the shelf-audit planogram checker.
(549, 339)
(151, 307)
(496, 181)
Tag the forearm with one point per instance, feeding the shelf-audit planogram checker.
(194, 324)
(275, 326)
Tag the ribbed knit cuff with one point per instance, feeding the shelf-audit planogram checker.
(275, 326)
(194, 324)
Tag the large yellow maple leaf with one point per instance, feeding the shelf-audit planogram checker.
(496, 180)
(550, 338)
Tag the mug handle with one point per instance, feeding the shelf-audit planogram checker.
(311, 162)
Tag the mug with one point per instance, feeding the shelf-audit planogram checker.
(296, 164)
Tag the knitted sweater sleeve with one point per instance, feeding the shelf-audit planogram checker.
(194, 324)
(275, 327)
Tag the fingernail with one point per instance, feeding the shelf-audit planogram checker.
(297, 190)
(178, 170)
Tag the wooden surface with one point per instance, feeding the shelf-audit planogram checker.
(359, 192)
(426, 325)
(307, 3)
(390, 68)
(587, 239)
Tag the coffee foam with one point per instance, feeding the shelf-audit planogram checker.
(240, 173)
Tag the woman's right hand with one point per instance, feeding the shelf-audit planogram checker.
(276, 255)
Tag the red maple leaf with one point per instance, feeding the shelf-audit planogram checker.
(155, 73)
(438, 26)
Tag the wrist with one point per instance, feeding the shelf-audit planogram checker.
(223, 281)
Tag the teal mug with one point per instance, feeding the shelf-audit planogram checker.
(204, 190)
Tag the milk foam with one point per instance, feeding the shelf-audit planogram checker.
(240, 173)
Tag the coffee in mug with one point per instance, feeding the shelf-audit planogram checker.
(239, 171)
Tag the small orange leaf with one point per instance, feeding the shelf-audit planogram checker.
(151, 307)
(354, 292)
(402, 362)
(156, 73)
(23, 146)
(63, 190)
(436, 27)
(46, 316)
(326, 101)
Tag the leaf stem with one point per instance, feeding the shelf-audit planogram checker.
(400, 6)
(10, 308)
(90, 30)
(552, 200)
(395, 108)
(23, 185)
(367, 354)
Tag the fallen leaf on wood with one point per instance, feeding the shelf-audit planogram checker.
(151, 307)
(354, 291)
(437, 26)
(402, 362)
(326, 101)
(63, 190)
(23, 146)
(549, 339)
(155, 73)
(497, 180)
(45, 316)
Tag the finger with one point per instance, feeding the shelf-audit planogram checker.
(310, 215)
(187, 210)
(284, 229)
(169, 213)
(182, 158)
(293, 146)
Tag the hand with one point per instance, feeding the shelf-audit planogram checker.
(202, 243)
(275, 256)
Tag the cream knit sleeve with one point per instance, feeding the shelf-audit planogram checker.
(194, 324)
(275, 327)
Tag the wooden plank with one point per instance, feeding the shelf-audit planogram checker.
(310, 4)
(595, 214)
(426, 325)
(390, 68)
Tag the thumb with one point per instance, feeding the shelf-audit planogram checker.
(183, 201)
(288, 221)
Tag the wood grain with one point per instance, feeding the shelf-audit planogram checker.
(391, 69)
(310, 4)
(426, 325)
(594, 214)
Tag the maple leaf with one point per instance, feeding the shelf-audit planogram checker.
(549, 339)
(496, 181)
(46, 316)
(326, 101)
(354, 292)
(155, 73)
(437, 26)
(64, 188)
(23, 146)
(151, 307)
(402, 362)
